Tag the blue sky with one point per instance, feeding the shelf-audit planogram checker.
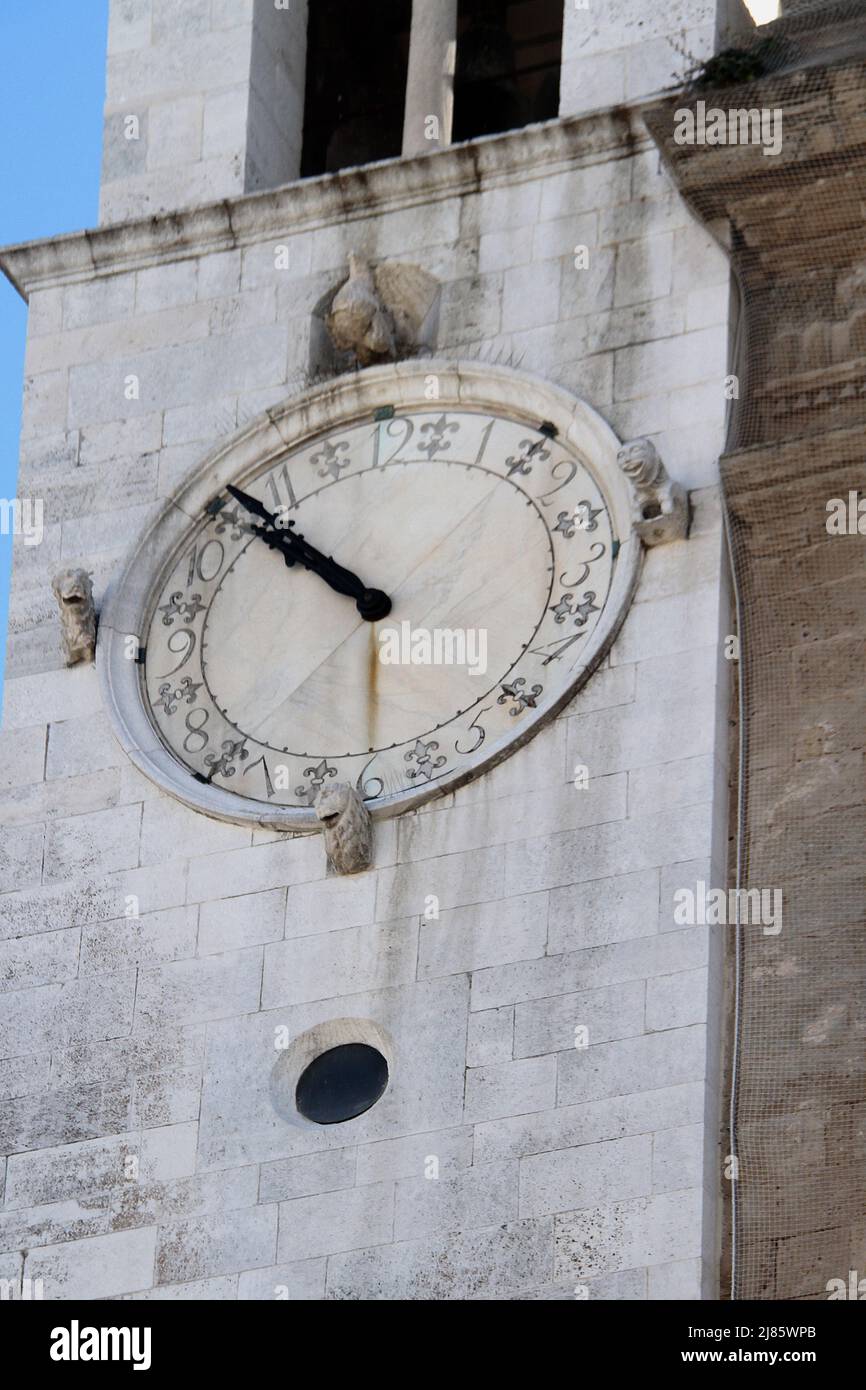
(50, 148)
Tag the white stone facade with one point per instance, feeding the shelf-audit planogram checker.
(145, 1158)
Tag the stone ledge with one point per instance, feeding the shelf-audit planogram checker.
(534, 152)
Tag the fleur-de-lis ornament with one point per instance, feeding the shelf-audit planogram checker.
(327, 461)
(232, 518)
(437, 443)
(522, 462)
(422, 755)
(580, 612)
(180, 607)
(319, 774)
(170, 697)
(524, 699)
(583, 610)
(584, 516)
(233, 751)
(563, 609)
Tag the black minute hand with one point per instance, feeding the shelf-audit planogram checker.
(372, 604)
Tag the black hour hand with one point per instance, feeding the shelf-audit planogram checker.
(372, 604)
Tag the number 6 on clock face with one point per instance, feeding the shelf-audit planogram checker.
(494, 520)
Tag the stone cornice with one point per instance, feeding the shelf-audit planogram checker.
(534, 152)
(824, 130)
(794, 224)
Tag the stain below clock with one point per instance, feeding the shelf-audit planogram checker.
(372, 691)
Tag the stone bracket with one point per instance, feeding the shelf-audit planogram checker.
(385, 314)
(74, 593)
(660, 506)
(347, 828)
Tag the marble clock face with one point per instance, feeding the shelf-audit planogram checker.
(497, 546)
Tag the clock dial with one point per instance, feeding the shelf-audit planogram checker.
(365, 585)
(496, 548)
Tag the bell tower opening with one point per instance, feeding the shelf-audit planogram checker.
(508, 60)
(357, 62)
(505, 75)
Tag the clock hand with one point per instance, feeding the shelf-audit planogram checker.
(372, 604)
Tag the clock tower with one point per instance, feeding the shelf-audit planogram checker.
(343, 878)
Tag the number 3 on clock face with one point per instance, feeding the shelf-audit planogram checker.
(493, 520)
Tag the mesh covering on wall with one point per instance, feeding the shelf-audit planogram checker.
(794, 225)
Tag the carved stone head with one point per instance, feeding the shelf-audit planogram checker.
(347, 828)
(332, 802)
(74, 593)
(639, 460)
(660, 508)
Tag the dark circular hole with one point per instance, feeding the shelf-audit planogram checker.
(341, 1083)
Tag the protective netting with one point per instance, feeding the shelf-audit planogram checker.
(794, 225)
(790, 7)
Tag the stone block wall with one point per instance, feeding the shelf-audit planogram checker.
(144, 1158)
(177, 86)
(626, 51)
(204, 100)
(217, 86)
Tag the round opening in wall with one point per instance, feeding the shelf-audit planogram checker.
(341, 1083)
(333, 1072)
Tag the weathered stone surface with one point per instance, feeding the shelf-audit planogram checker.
(427, 1023)
(97, 1268)
(589, 1122)
(28, 961)
(61, 1014)
(302, 1177)
(634, 1064)
(571, 1179)
(483, 1263)
(93, 844)
(510, 1087)
(218, 1244)
(219, 1289)
(147, 1203)
(579, 1020)
(99, 1166)
(491, 1037)
(194, 991)
(468, 938)
(642, 1231)
(151, 939)
(429, 1206)
(248, 920)
(410, 1157)
(301, 1281)
(335, 1221)
(339, 962)
(603, 911)
(22, 757)
(595, 967)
